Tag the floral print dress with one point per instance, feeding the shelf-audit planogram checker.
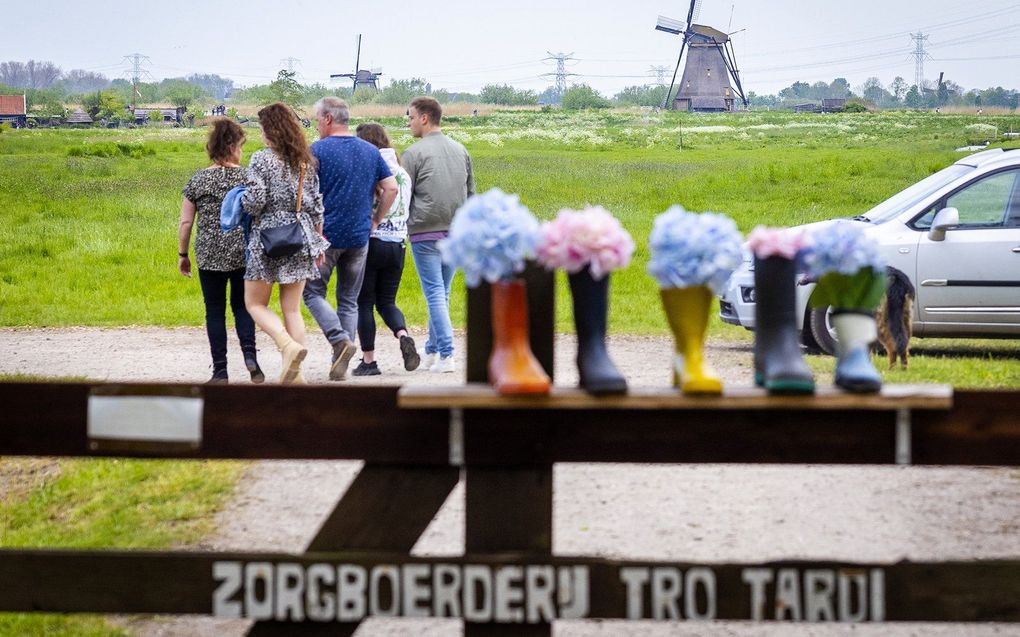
(270, 197)
(215, 249)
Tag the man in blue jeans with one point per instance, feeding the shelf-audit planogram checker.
(441, 178)
(350, 170)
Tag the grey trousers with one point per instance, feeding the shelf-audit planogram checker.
(341, 323)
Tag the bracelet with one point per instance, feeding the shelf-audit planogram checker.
(183, 255)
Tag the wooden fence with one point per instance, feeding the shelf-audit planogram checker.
(417, 443)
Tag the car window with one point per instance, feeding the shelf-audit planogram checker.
(1013, 219)
(895, 206)
(985, 203)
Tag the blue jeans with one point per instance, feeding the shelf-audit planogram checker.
(435, 277)
(341, 323)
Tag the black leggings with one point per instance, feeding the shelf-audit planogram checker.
(214, 293)
(383, 268)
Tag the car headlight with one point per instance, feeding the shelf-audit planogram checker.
(748, 295)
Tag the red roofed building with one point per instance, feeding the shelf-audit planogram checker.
(12, 110)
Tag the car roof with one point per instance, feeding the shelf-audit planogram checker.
(987, 158)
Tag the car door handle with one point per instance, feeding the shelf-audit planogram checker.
(1016, 249)
(935, 283)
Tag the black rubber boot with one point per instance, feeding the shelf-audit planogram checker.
(777, 355)
(598, 375)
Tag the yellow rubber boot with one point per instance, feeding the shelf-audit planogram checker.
(687, 312)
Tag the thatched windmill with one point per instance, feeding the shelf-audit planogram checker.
(706, 83)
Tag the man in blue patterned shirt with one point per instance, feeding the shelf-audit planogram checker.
(350, 172)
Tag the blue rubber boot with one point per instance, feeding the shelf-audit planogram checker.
(855, 331)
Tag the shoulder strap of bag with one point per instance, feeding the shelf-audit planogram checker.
(300, 189)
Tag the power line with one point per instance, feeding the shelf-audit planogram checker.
(561, 70)
(919, 56)
(659, 72)
(137, 72)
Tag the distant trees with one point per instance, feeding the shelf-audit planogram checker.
(217, 87)
(506, 95)
(78, 81)
(105, 105)
(641, 96)
(582, 96)
(286, 89)
(899, 88)
(31, 74)
(403, 91)
(913, 98)
(873, 91)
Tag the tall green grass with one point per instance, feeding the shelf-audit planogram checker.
(89, 217)
(111, 503)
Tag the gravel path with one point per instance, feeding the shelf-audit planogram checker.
(709, 513)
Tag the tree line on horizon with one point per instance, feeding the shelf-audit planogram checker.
(48, 89)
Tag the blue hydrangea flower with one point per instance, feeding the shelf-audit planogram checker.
(689, 249)
(842, 247)
(491, 236)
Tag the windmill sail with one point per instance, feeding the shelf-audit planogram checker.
(669, 25)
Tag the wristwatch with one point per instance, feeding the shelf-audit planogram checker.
(183, 255)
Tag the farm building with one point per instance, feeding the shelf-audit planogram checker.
(78, 117)
(12, 111)
(807, 107)
(169, 114)
(833, 105)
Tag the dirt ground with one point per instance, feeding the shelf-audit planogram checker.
(710, 513)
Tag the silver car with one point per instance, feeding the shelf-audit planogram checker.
(955, 235)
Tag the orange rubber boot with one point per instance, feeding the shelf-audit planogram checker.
(513, 368)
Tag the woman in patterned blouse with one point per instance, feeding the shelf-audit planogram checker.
(219, 255)
(271, 196)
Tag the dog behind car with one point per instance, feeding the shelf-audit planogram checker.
(894, 317)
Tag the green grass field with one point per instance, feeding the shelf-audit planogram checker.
(88, 224)
(90, 216)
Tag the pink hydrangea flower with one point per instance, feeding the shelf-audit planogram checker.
(591, 237)
(775, 242)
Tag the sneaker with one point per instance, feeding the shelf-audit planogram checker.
(219, 377)
(410, 353)
(443, 365)
(252, 365)
(429, 360)
(366, 369)
(343, 352)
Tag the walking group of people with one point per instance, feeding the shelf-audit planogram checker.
(353, 203)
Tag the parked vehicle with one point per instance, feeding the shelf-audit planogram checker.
(956, 237)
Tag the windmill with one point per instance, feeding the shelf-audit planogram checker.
(705, 85)
(361, 77)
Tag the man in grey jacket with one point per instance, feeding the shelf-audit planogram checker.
(441, 178)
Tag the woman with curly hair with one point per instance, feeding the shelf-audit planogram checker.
(274, 177)
(219, 255)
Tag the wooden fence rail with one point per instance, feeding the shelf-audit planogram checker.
(418, 443)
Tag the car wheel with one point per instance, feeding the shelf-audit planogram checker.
(806, 337)
(822, 330)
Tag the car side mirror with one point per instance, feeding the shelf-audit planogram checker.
(944, 220)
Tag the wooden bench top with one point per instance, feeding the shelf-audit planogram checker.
(478, 396)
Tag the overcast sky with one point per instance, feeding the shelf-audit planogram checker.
(464, 44)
